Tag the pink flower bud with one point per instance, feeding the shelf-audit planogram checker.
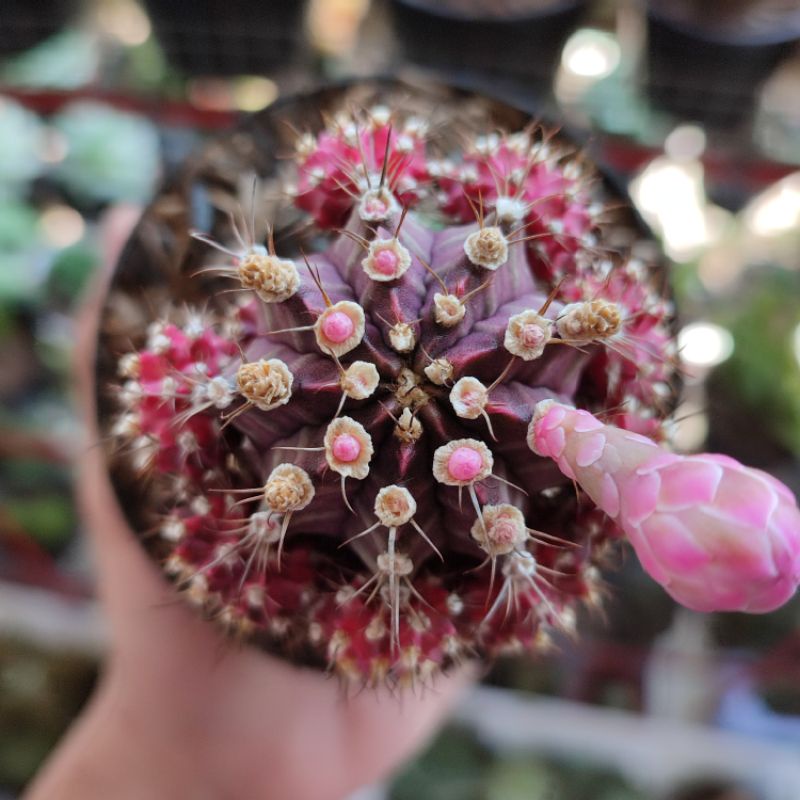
(717, 535)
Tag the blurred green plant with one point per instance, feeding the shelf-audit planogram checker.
(40, 694)
(520, 778)
(32, 273)
(452, 768)
(69, 273)
(111, 156)
(23, 259)
(615, 105)
(47, 517)
(764, 371)
(65, 61)
(457, 766)
(21, 141)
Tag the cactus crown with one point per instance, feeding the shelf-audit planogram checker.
(337, 451)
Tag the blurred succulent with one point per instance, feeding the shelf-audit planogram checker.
(68, 60)
(71, 269)
(764, 369)
(111, 155)
(368, 460)
(23, 257)
(21, 141)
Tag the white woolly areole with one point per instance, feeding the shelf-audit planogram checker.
(129, 366)
(500, 530)
(527, 334)
(402, 337)
(195, 326)
(346, 126)
(510, 209)
(487, 247)
(380, 116)
(254, 594)
(376, 629)
(448, 310)
(519, 142)
(198, 394)
(173, 529)
(358, 468)
(266, 384)
(131, 393)
(159, 343)
(441, 457)
(288, 488)
(468, 398)
(416, 126)
(397, 564)
(394, 506)
(404, 144)
(521, 566)
(356, 315)
(455, 605)
(382, 249)
(305, 145)
(169, 387)
(265, 526)
(197, 590)
(187, 441)
(360, 380)
(218, 392)
(144, 450)
(439, 371)
(273, 279)
(200, 505)
(377, 205)
(487, 145)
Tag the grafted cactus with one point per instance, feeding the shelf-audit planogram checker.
(350, 445)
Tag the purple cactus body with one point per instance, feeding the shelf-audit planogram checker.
(339, 458)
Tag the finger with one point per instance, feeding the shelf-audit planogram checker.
(126, 582)
(116, 228)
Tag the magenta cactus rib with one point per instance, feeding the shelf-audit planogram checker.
(338, 459)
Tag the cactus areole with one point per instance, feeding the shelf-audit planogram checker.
(392, 399)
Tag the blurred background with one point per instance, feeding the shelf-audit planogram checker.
(693, 106)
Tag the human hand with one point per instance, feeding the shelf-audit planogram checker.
(182, 713)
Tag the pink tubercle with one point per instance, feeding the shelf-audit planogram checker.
(532, 336)
(374, 205)
(503, 532)
(464, 464)
(385, 262)
(337, 327)
(346, 448)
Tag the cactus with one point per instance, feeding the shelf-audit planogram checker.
(362, 454)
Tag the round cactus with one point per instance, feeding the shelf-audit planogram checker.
(334, 445)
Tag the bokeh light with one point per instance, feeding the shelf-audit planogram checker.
(591, 54)
(704, 344)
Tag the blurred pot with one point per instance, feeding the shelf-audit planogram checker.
(227, 37)
(519, 39)
(24, 24)
(707, 60)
